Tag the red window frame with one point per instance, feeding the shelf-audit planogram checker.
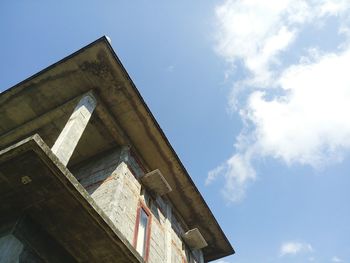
(143, 206)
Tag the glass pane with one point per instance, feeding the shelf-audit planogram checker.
(141, 235)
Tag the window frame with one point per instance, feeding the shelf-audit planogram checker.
(143, 206)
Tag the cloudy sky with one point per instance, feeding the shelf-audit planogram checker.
(253, 95)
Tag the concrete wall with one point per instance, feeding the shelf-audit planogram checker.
(112, 181)
(180, 251)
(115, 189)
(157, 242)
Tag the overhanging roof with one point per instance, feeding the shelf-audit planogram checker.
(44, 102)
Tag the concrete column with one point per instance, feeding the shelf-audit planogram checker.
(201, 257)
(168, 230)
(10, 249)
(71, 133)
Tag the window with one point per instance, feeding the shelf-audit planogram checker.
(150, 203)
(142, 231)
(192, 256)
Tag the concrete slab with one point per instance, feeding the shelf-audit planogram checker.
(194, 239)
(155, 182)
(54, 200)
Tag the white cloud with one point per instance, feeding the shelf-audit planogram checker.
(297, 112)
(336, 259)
(213, 174)
(238, 171)
(252, 31)
(293, 248)
(309, 123)
(256, 32)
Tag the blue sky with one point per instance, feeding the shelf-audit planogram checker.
(253, 95)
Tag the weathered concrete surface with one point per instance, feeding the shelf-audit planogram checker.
(123, 119)
(113, 187)
(56, 202)
(155, 182)
(37, 241)
(168, 231)
(158, 245)
(194, 239)
(74, 128)
(112, 181)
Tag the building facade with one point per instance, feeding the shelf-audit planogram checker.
(87, 175)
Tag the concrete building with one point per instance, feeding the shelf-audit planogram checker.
(87, 175)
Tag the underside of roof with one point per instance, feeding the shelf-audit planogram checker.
(43, 103)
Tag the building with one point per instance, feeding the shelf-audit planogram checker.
(87, 175)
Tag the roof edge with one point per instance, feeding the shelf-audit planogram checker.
(166, 140)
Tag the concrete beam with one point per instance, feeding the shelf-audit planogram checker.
(114, 128)
(74, 128)
(110, 123)
(31, 126)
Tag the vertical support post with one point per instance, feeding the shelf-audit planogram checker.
(74, 128)
(201, 257)
(168, 230)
